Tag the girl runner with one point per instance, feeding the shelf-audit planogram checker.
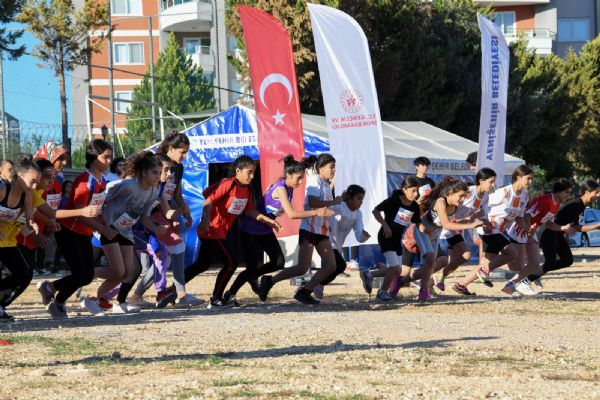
(176, 146)
(313, 232)
(347, 217)
(223, 204)
(276, 201)
(46, 214)
(442, 205)
(127, 202)
(16, 197)
(505, 205)
(554, 244)
(74, 239)
(540, 212)
(472, 208)
(400, 210)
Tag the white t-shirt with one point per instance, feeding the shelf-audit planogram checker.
(316, 187)
(504, 205)
(342, 223)
(470, 206)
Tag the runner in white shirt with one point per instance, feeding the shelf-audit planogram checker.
(314, 230)
(347, 218)
(505, 205)
(473, 207)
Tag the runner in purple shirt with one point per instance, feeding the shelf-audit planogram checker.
(257, 237)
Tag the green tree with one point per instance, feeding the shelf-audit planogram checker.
(293, 15)
(426, 60)
(540, 125)
(63, 33)
(181, 89)
(583, 74)
(8, 38)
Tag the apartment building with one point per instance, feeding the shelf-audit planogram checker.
(550, 26)
(142, 29)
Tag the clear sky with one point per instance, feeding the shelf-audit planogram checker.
(31, 93)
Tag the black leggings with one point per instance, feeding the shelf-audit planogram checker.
(130, 280)
(78, 253)
(340, 266)
(20, 276)
(554, 244)
(208, 251)
(254, 245)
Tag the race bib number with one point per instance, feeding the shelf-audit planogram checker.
(8, 214)
(512, 212)
(424, 190)
(403, 217)
(98, 199)
(53, 201)
(169, 191)
(125, 221)
(546, 218)
(237, 206)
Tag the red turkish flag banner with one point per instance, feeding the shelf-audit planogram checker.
(276, 101)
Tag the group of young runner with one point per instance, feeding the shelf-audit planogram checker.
(136, 220)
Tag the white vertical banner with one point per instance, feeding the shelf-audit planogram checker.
(351, 108)
(495, 58)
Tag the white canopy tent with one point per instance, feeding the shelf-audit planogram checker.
(404, 141)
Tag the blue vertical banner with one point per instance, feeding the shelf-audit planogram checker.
(495, 57)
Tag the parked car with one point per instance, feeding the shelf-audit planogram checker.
(591, 238)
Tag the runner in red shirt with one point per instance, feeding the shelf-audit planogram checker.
(540, 212)
(223, 204)
(74, 239)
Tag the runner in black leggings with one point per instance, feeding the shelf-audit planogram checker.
(555, 243)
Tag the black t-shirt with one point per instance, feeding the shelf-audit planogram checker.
(423, 185)
(571, 212)
(177, 172)
(398, 216)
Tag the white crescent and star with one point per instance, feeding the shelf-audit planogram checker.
(268, 81)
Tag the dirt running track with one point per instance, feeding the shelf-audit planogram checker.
(489, 346)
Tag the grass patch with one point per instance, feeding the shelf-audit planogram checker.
(189, 393)
(232, 382)
(246, 393)
(75, 345)
(319, 396)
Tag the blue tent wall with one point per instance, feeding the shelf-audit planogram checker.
(238, 121)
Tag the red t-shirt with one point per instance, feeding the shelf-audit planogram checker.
(227, 206)
(542, 209)
(86, 191)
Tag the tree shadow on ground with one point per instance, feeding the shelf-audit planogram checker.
(336, 347)
(576, 296)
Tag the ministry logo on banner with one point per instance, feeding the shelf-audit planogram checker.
(351, 107)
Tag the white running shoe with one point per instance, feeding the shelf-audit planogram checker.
(140, 302)
(188, 301)
(92, 306)
(124, 308)
(524, 287)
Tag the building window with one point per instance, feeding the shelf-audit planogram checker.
(122, 106)
(574, 30)
(196, 45)
(126, 7)
(128, 53)
(506, 22)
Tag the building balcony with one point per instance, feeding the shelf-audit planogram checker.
(185, 15)
(206, 61)
(538, 39)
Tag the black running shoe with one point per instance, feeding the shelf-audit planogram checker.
(4, 317)
(216, 304)
(266, 283)
(230, 299)
(304, 296)
(254, 286)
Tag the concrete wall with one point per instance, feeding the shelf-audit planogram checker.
(575, 9)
